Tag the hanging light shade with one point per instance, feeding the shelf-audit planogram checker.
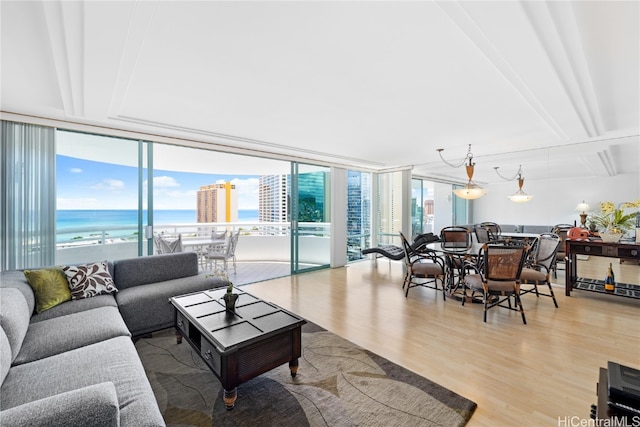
(519, 196)
(471, 190)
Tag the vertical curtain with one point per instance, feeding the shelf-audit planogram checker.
(28, 199)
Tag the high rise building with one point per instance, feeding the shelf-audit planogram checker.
(217, 203)
(358, 213)
(273, 205)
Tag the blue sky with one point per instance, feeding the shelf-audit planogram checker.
(86, 184)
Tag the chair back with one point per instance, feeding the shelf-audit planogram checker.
(482, 234)
(231, 245)
(494, 229)
(218, 235)
(546, 250)
(561, 230)
(164, 246)
(456, 234)
(408, 250)
(503, 263)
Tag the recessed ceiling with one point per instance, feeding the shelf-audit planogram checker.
(552, 86)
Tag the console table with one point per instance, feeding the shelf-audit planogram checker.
(621, 250)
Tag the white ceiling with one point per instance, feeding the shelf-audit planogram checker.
(552, 86)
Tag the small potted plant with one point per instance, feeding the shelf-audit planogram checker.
(230, 298)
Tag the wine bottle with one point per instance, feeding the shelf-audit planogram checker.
(609, 281)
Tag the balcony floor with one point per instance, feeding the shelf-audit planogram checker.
(252, 272)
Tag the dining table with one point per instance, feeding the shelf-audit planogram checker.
(458, 255)
(201, 246)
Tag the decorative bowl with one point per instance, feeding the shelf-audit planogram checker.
(610, 237)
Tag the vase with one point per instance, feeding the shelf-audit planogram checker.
(610, 236)
(230, 301)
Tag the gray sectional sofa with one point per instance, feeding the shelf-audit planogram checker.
(75, 364)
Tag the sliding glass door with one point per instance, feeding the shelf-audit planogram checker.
(310, 209)
(102, 197)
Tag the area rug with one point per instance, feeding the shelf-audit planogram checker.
(338, 384)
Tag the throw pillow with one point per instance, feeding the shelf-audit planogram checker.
(89, 280)
(50, 287)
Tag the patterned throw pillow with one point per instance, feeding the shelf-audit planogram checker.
(89, 280)
(50, 287)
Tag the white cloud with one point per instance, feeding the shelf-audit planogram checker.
(76, 170)
(247, 192)
(164, 182)
(109, 185)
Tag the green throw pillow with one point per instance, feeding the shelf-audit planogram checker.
(50, 286)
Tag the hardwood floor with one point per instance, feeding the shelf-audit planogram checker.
(519, 375)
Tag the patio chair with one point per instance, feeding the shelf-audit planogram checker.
(224, 253)
(167, 246)
(422, 268)
(499, 278)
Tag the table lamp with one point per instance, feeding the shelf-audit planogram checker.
(583, 207)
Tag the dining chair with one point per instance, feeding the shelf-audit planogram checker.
(561, 230)
(455, 265)
(423, 268)
(455, 233)
(538, 271)
(484, 234)
(499, 278)
(167, 246)
(494, 229)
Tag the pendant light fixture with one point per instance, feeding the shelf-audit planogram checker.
(519, 196)
(471, 190)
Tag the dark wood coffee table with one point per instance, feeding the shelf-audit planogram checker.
(238, 346)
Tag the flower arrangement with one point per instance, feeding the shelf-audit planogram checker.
(613, 219)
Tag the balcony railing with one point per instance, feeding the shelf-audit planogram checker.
(257, 242)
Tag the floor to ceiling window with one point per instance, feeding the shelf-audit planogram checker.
(422, 206)
(310, 217)
(99, 197)
(389, 208)
(114, 194)
(358, 214)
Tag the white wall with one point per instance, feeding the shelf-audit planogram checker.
(554, 201)
(442, 203)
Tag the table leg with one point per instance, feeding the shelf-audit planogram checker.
(293, 366)
(230, 397)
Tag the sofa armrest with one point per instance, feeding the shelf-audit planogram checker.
(95, 406)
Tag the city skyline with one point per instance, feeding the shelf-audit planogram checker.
(104, 186)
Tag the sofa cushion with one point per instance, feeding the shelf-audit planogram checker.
(114, 360)
(146, 308)
(50, 287)
(76, 306)
(16, 279)
(14, 318)
(155, 268)
(92, 406)
(5, 355)
(88, 280)
(69, 332)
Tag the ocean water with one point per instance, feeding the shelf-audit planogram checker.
(94, 219)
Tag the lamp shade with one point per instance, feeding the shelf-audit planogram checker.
(520, 197)
(470, 192)
(582, 207)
